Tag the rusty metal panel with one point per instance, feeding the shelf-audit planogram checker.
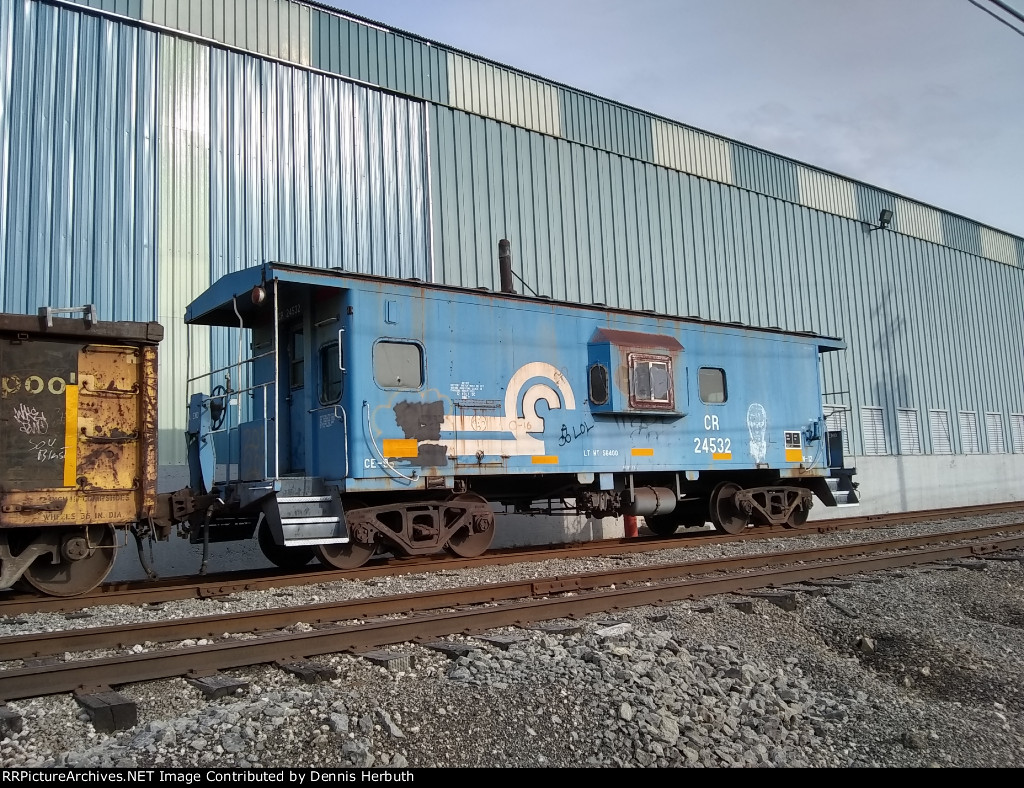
(109, 428)
(148, 430)
(78, 443)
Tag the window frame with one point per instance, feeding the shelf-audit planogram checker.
(940, 412)
(908, 425)
(995, 419)
(874, 410)
(972, 422)
(402, 386)
(724, 381)
(637, 403)
(329, 352)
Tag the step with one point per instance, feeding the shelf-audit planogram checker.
(312, 520)
(316, 541)
(303, 499)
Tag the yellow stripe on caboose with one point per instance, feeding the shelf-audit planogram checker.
(727, 455)
(70, 436)
(548, 459)
(401, 447)
(794, 455)
(642, 452)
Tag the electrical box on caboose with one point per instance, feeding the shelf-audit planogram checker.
(373, 414)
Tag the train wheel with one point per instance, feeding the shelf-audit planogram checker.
(86, 556)
(798, 517)
(351, 555)
(725, 515)
(467, 542)
(288, 558)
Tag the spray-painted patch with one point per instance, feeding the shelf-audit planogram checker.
(420, 420)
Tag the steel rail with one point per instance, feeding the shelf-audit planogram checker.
(42, 644)
(222, 584)
(202, 660)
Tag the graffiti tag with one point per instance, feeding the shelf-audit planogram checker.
(30, 421)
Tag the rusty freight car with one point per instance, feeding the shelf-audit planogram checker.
(78, 432)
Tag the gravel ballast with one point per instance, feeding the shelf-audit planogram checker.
(915, 667)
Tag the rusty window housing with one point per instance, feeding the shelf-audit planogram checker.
(711, 385)
(650, 382)
(331, 379)
(398, 364)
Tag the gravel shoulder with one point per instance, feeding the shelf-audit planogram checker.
(909, 668)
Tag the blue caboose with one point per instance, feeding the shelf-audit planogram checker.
(379, 414)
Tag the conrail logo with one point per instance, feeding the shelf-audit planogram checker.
(530, 385)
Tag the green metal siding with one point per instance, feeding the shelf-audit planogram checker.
(379, 57)
(591, 226)
(261, 158)
(607, 126)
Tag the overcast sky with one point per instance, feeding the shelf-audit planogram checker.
(921, 97)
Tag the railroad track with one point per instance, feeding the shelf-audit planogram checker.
(224, 584)
(437, 614)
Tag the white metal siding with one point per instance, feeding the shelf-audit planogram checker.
(276, 28)
(918, 220)
(826, 192)
(503, 95)
(687, 150)
(994, 433)
(941, 441)
(873, 426)
(969, 432)
(910, 431)
(998, 246)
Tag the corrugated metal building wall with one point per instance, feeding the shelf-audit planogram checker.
(149, 146)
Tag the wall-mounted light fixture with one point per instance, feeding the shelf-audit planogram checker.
(884, 220)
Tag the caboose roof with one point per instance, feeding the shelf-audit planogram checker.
(229, 298)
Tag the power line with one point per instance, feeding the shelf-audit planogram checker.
(1008, 9)
(996, 16)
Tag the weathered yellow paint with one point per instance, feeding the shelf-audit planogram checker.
(401, 447)
(70, 435)
(642, 452)
(545, 460)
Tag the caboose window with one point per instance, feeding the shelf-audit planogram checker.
(599, 384)
(297, 358)
(711, 385)
(650, 382)
(398, 365)
(330, 374)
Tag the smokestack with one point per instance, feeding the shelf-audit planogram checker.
(505, 265)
